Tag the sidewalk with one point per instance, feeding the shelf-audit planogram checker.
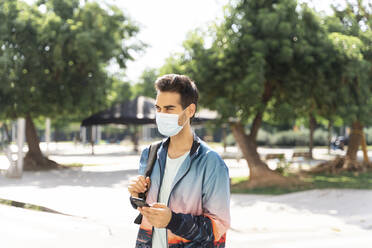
(98, 201)
(97, 197)
(21, 228)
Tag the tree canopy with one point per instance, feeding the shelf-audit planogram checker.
(52, 61)
(273, 60)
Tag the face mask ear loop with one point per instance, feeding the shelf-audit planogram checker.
(183, 111)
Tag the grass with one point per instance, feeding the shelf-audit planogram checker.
(346, 180)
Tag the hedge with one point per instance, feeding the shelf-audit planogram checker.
(289, 138)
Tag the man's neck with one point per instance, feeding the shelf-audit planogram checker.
(181, 143)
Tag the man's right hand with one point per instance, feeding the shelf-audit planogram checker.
(138, 185)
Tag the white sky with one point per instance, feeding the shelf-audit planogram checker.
(165, 23)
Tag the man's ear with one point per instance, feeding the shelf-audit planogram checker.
(192, 109)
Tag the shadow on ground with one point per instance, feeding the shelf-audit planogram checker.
(70, 177)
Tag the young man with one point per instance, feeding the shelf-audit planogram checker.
(188, 189)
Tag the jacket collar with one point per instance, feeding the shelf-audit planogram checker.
(194, 148)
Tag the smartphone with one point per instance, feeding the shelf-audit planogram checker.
(140, 202)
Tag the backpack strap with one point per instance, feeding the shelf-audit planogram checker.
(152, 158)
(149, 167)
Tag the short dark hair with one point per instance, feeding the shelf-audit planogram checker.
(181, 84)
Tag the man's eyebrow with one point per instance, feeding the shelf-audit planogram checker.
(167, 106)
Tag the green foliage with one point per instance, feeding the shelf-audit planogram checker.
(321, 138)
(350, 33)
(284, 61)
(145, 86)
(266, 57)
(290, 138)
(355, 18)
(287, 138)
(354, 88)
(121, 91)
(53, 63)
(263, 138)
(253, 51)
(299, 138)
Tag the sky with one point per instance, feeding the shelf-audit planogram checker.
(164, 25)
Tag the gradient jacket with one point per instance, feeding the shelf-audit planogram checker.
(199, 199)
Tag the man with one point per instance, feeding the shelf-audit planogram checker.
(188, 189)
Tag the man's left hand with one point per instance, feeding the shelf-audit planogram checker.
(159, 215)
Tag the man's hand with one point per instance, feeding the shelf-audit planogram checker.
(138, 185)
(158, 215)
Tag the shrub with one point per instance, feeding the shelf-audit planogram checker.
(320, 138)
(288, 138)
(368, 133)
(263, 138)
(230, 140)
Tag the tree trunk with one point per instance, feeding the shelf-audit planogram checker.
(312, 125)
(329, 136)
(92, 146)
(7, 132)
(136, 139)
(355, 141)
(34, 159)
(224, 139)
(349, 162)
(365, 150)
(260, 174)
(92, 138)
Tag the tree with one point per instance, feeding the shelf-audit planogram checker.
(355, 94)
(351, 34)
(306, 91)
(121, 91)
(257, 61)
(52, 62)
(145, 86)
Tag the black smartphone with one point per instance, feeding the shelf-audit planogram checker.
(140, 202)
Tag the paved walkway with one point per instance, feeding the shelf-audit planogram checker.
(97, 199)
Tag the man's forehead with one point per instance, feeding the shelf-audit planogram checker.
(168, 98)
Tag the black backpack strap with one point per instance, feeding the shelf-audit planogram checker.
(152, 158)
(153, 150)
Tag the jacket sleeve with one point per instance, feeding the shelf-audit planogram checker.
(141, 170)
(213, 224)
(143, 161)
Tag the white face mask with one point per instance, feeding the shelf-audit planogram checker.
(168, 124)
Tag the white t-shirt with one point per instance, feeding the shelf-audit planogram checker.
(159, 236)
